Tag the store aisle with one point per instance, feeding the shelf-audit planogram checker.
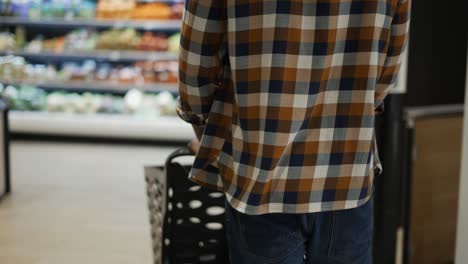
(77, 203)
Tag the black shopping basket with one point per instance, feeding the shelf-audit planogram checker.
(187, 221)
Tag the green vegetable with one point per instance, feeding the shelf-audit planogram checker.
(32, 98)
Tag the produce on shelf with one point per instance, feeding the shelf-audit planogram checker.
(12, 67)
(16, 69)
(159, 71)
(152, 11)
(135, 102)
(7, 41)
(20, 36)
(130, 39)
(90, 40)
(115, 8)
(86, 9)
(154, 42)
(174, 43)
(67, 9)
(77, 40)
(131, 9)
(24, 98)
(177, 10)
(127, 39)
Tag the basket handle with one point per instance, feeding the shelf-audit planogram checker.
(180, 152)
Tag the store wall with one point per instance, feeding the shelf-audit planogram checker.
(462, 233)
(437, 52)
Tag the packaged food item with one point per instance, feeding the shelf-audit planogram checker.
(7, 41)
(116, 39)
(78, 40)
(14, 68)
(35, 45)
(155, 10)
(129, 75)
(146, 71)
(174, 43)
(6, 8)
(134, 102)
(110, 9)
(84, 10)
(153, 42)
(20, 8)
(103, 72)
(159, 71)
(90, 39)
(55, 44)
(20, 37)
(165, 71)
(177, 10)
(34, 11)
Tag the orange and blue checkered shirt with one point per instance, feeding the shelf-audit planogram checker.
(287, 92)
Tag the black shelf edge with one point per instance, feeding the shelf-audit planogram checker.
(96, 87)
(149, 25)
(43, 137)
(109, 55)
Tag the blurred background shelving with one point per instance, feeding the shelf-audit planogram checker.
(107, 126)
(170, 25)
(83, 86)
(98, 68)
(105, 55)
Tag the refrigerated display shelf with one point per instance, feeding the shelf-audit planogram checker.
(95, 86)
(149, 25)
(110, 126)
(108, 55)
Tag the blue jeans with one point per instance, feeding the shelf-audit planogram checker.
(343, 237)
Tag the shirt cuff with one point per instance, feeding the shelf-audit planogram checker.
(379, 106)
(189, 116)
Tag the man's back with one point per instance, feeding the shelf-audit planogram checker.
(288, 92)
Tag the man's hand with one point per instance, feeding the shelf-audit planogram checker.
(198, 131)
(194, 146)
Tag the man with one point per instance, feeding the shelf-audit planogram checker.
(282, 95)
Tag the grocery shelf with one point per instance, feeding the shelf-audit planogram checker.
(162, 25)
(95, 86)
(161, 1)
(100, 125)
(108, 55)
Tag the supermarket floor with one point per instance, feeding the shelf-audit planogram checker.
(77, 203)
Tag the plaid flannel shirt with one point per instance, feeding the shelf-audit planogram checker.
(288, 91)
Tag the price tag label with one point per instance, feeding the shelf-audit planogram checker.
(119, 24)
(148, 25)
(154, 56)
(114, 56)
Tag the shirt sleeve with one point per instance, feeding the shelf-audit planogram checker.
(200, 57)
(397, 44)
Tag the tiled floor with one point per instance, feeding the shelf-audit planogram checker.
(77, 203)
